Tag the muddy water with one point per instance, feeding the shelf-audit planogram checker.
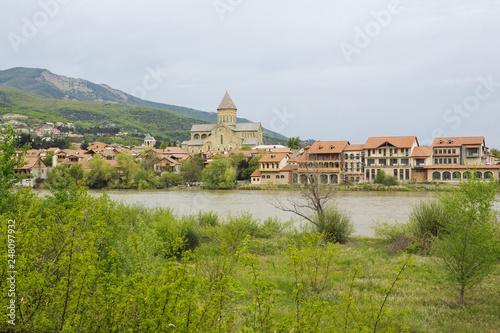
(364, 207)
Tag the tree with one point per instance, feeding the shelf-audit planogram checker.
(253, 165)
(9, 161)
(330, 220)
(171, 179)
(100, 173)
(496, 152)
(294, 143)
(383, 178)
(191, 169)
(128, 169)
(470, 244)
(219, 174)
(47, 160)
(240, 163)
(148, 159)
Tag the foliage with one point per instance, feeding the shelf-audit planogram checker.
(171, 179)
(427, 220)
(383, 178)
(219, 174)
(128, 169)
(470, 246)
(9, 161)
(253, 165)
(63, 176)
(191, 169)
(47, 160)
(100, 172)
(146, 180)
(334, 223)
(294, 143)
(496, 152)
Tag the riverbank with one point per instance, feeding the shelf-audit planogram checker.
(432, 187)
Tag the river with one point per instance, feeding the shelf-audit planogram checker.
(364, 207)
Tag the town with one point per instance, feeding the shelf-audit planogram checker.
(399, 158)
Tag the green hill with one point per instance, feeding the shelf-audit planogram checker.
(43, 83)
(129, 118)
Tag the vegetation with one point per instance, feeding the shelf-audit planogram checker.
(294, 143)
(84, 262)
(219, 174)
(469, 247)
(383, 178)
(460, 229)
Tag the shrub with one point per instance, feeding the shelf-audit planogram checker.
(427, 220)
(210, 219)
(335, 224)
(387, 180)
(236, 229)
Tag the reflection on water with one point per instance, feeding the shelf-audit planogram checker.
(364, 207)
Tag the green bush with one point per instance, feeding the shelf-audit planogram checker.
(335, 224)
(210, 219)
(387, 180)
(236, 229)
(427, 220)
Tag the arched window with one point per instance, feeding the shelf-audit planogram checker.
(221, 140)
(446, 176)
(488, 175)
(457, 176)
(196, 136)
(467, 175)
(436, 176)
(203, 136)
(479, 175)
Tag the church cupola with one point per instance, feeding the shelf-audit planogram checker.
(226, 112)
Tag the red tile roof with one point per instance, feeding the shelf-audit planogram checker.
(458, 141)
(272, 158)
(396, 141)
(354, 148)
(327, 147)
(422, 152)
(256, 173)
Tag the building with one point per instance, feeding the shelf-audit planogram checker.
(452, 158)
(391, 154)
(273, 169)
(323, 160)
(34, 166)
(227, 134)
(354, 164)
(149, 141)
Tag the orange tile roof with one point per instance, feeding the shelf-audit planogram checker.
(256, 173)
(328, 147)
(272, 158)
(422, 152)
(290, 167)
(354, 147)
(172, 150)
(33, 152)
(30, 162)
(97, 145)
(458, 141)
(396, 141)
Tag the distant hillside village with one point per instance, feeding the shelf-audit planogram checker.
(327, 162)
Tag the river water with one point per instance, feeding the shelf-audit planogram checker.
(364, 207)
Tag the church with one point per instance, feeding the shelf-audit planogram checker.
(227, 134)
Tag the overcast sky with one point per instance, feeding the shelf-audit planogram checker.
(327, 70)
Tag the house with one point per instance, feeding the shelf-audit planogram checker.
(453, 158)
(354, 164)
(391, 154)
(167, 164)
(273, 168)
(33, 166)
(421, 158)
(227, 134)
(323, 160)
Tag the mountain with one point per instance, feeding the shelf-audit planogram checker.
(98, 116)
(45, 84)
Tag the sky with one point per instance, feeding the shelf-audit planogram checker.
(323, 70)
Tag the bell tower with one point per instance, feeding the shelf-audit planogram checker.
(226, 112)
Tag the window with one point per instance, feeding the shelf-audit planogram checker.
(277, 176)
(367, 174)
(395, 172)
(407, 174)
(401, 174)
(373, 173)
(455, 160)
(488, 175)
(440, 161)
(221, 140)
(457, 176)
(436, 176)
(446, 176)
